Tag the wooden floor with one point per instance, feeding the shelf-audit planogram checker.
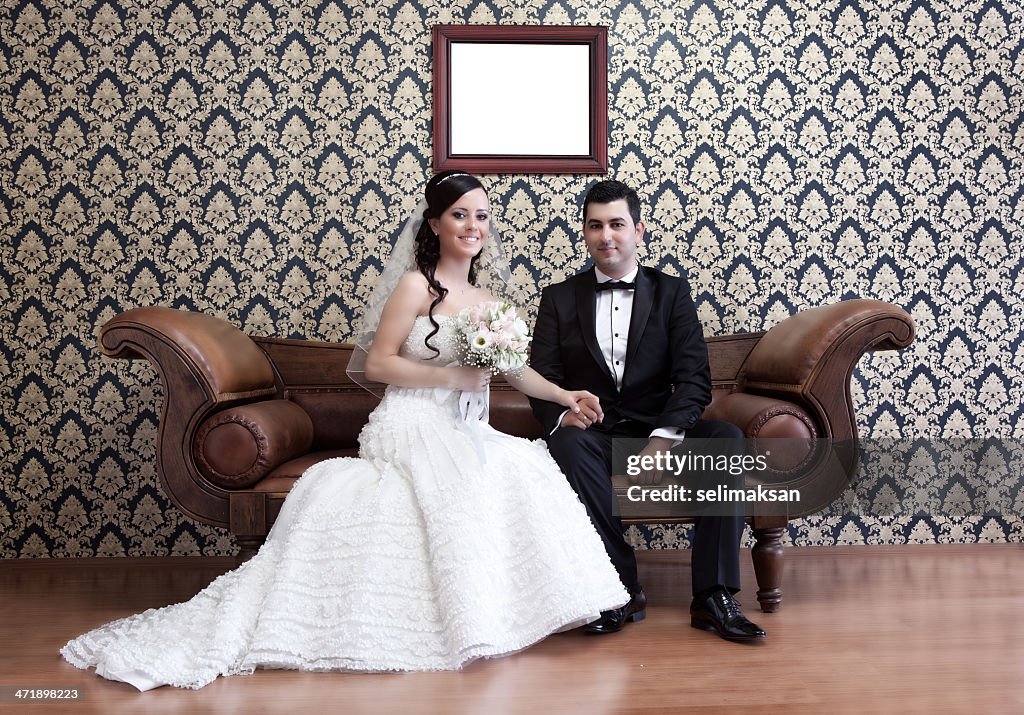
(862, 629)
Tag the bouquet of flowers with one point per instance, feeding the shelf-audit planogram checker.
(492, 336)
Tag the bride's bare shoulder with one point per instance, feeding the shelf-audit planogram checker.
(413, 283)
(413, 278)
(410, 295)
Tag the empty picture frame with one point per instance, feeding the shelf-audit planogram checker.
(521, 99)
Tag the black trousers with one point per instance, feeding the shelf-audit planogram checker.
(585, 457)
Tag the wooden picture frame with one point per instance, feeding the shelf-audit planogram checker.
(521, 99)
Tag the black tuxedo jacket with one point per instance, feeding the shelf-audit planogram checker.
(667, 380)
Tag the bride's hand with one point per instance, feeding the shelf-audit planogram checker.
(584, 408)
(469, 379)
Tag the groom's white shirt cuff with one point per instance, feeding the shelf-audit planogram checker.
(673, 433)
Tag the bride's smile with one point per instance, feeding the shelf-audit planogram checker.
(464, 226)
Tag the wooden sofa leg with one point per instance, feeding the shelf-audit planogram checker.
(767, 557)
(248, 521)
(248, 546)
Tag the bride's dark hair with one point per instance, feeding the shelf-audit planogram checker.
(442, 191)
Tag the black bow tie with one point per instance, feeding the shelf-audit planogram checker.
(615, 285)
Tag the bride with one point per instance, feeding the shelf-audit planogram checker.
(445, 541)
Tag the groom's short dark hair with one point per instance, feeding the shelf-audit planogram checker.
(604, 192)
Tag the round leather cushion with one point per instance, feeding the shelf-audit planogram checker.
(237, 447)
(780, 430)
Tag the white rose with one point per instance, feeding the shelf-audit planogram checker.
(481, 340)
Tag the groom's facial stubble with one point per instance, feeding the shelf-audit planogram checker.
(612, 238)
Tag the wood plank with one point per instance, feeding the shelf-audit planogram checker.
(933, 628)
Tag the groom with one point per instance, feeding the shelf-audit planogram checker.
(630, 334)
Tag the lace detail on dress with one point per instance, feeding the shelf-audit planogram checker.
(443, 340)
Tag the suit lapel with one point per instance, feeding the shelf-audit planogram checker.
(643, 299)
(585, 301)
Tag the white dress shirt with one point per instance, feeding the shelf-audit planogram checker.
(612, 313)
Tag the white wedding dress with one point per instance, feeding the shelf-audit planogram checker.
(418, 555)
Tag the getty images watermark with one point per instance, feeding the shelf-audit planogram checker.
(698, 477)
(676, 465)
(797, 477)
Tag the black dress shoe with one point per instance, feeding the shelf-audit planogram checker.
(613, 620)
(721, 613)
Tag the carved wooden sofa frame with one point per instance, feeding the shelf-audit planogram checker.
(243, 417)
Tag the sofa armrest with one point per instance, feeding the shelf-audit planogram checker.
(239, 446)
(762, 417)
(809, 358)
(226, 361)
(204, 365)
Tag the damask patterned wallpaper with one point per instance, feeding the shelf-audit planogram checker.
(252, 159)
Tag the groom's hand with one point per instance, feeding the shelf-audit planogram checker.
(588, 412)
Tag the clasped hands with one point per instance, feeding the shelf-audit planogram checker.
(584, 410)
(587, 412)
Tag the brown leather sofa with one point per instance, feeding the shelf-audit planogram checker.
(244, 416)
